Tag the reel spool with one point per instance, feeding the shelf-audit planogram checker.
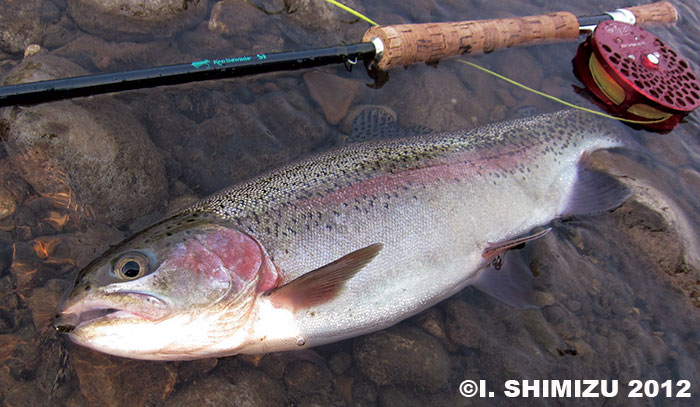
(635, 75)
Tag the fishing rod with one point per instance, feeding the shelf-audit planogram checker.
(386, 46)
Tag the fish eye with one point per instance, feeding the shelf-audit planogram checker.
(131, 266)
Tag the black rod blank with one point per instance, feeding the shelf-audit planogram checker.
(44, 91)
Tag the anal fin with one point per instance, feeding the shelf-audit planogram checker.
(324, 283)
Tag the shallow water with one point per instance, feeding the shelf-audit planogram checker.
(618, 293)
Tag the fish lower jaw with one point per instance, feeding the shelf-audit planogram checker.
(92, 317)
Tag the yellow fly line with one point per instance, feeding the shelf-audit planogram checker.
(351, 11)
(511, 81)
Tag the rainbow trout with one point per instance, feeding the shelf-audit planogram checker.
(340, 244)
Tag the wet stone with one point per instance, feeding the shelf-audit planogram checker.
(75, 399)
(418, 96)
(583, 349)
(543, 299)
(20, 353)
(403, 355)
(462, 324)
(400, 397)
(655, 349)
(333, 93)
(239, 386)
(94, 150)
(364, 393)
(343, 385)
(540, 331)
(136, 19)
(104, 379)
(235, 17)
(432, 321)
(109, 56)
(248, 139)
(24, 394)
(316, 22)
(8, 301)
(273, 365)
(340, 362)
(43, 68)
(269, 6)
(188, 371)
(304, 379)
(20, 25)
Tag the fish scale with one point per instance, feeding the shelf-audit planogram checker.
(358, 238)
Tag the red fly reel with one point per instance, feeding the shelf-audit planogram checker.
(635, 75)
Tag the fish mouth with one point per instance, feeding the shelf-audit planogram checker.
(88, 311)
(67, 323)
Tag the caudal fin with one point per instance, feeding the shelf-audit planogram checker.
(594, 191)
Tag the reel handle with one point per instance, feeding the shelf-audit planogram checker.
(407, 44)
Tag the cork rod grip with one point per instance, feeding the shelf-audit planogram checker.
(658, 13)
(410, 43)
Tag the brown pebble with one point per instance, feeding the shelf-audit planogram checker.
(7, 203)
(333, 93)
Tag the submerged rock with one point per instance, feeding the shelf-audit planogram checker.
(310, 381)
(7, 203)
(240, 140)
(240, 386)
(333, 93)
(43, 68)
(94, 150)
(316, 22)
(403, 356)
(463, 324)
(20, 25)
(235, 17)
(90, 149)
(136, 19)
(110, 381)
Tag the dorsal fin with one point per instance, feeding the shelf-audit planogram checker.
(377, 123)
(324, 283)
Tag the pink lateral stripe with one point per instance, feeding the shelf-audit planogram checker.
(462, 167)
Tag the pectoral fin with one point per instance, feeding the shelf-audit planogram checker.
(324, 283)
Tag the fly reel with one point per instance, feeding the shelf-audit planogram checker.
(636, 76)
